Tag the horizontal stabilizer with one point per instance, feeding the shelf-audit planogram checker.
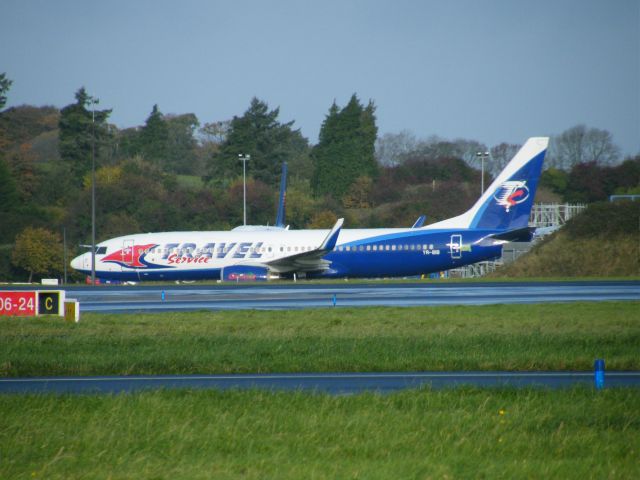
(517, 235)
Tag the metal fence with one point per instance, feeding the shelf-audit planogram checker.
(542, 215)
(553, 214)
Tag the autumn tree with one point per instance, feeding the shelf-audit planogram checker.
(323, 219)
(181, 144)
(215, 132)
(590, 182)
(359, 193)
(392, 148)
(23, 166)
(9, 202)
(37, 251)
(300, 204)
(501, 155)
(581, 144)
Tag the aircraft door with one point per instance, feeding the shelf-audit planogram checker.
(455, 246)
(127, 252)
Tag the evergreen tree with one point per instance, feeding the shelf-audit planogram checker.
(259, 134)
(154, 138)
(5, 84)
(368, 136)
(78, 131)
(327, 149)
(346, 148)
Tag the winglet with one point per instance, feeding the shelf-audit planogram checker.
(330, 242)
(420, 221)
(282, 199)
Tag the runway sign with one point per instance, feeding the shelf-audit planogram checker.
(18, 303)
(32, 303)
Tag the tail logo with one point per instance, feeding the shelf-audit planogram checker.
(511, 193)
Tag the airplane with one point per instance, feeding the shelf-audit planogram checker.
(500, 215)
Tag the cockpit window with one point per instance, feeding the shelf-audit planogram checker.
(101, 250)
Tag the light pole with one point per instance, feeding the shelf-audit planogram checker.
(64, 252)
(244, 159)
(93, 102)
(482, 156)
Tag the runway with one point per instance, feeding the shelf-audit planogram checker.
(332, 383)
(117, 299)
(114, 299)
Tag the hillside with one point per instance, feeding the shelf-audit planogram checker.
(603, 241)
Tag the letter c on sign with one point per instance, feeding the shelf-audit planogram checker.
(48, 303)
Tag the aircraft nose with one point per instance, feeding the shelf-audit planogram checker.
(77, 263)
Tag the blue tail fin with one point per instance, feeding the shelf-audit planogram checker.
(283, 197)
(506, 204)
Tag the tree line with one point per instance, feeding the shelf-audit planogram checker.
(174, 173)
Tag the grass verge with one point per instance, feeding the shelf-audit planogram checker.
(462, 433)
(497, 337)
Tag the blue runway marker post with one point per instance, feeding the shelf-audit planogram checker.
(598, 376)
(162, 295)
(334, 299)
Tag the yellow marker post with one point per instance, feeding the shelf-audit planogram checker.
(72, 310)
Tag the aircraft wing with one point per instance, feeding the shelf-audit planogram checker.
(311, 260)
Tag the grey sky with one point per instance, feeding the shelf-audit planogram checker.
(488, 70)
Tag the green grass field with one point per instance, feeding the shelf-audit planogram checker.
(499, 337)
(462, 433)
(455, 433)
